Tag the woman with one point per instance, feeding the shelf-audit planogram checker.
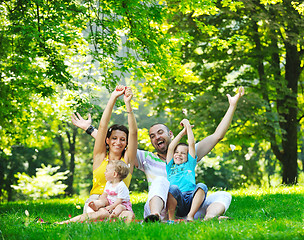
(115, 143)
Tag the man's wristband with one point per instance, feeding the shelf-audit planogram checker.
(90, 130)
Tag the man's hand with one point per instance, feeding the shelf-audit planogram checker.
(78, 121)
(234, 100)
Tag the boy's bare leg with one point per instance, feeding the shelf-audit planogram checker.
(197, 201)
(171, 205)
(97, 204)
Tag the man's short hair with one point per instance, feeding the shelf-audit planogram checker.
(168, 130)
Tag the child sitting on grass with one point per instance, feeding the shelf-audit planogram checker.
(185, 196)
(115, 197)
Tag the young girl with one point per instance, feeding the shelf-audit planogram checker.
(115, 198)
(115, 143)
(184, 193)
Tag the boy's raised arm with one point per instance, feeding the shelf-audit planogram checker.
(173, 144)
(190, 135)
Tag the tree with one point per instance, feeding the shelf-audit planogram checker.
(252, 43)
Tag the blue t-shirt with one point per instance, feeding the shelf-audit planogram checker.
(182, 175)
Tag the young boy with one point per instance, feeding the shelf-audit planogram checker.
(185, 196)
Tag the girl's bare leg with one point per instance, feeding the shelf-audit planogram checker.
(92, 216)
(128, 216)
(97, 204)
(117, 210)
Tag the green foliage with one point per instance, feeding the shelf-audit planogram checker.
(46, 183)
(230, 44)
(183, 57)
(35, 41)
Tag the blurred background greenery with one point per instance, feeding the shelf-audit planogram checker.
(180, 57)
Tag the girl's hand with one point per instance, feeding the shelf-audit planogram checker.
(119, 90)
(234, 100)
(128, 94)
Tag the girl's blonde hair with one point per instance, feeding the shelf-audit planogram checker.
(121, 168)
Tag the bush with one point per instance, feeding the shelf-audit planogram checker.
(45, 184)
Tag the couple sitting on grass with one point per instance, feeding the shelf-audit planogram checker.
(176, 192)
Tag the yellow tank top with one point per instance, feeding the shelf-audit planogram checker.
(99, 180)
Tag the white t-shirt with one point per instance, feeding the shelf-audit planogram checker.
(151, 165)
(119, 191)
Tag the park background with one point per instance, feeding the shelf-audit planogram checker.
(181, 59)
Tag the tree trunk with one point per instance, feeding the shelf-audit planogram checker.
(62, 152)
(290, 124)
(72, 143)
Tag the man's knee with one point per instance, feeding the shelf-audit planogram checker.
(214, 210)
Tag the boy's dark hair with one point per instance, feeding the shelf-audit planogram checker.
(181, 144)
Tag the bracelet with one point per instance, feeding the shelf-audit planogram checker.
(90, 130)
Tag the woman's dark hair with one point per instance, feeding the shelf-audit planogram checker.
(117, 127)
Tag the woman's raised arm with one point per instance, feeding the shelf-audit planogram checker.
(100, 149)
(130, 155)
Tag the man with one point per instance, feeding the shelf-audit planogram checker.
(154, 165)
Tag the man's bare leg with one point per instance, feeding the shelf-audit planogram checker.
(214, 210)
(156, 205)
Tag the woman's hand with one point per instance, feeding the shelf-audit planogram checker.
(119, 90)
(128, 94)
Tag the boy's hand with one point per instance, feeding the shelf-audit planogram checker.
(184, 122)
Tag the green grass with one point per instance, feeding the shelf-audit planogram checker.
(257, 214)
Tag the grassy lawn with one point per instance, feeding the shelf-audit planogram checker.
(257, 214)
